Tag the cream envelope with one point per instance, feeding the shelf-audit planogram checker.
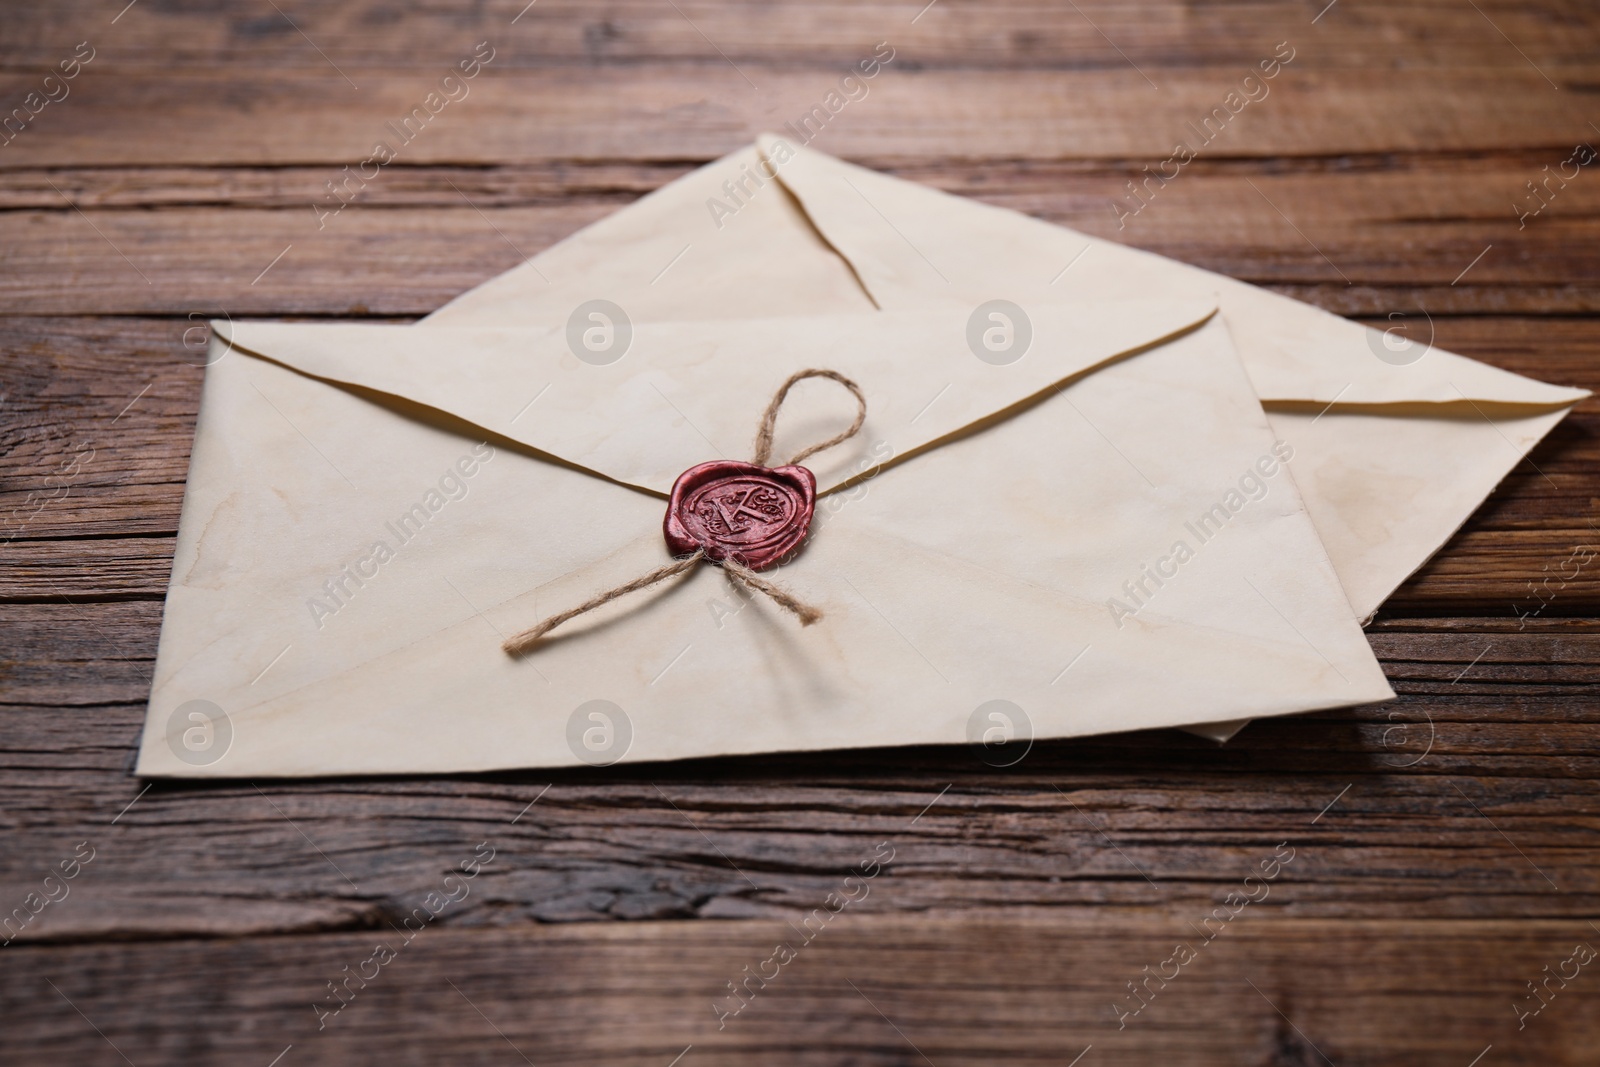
(1395, 443)
(969, 551)
(1390, 459)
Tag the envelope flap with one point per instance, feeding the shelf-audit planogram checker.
(686, 392)
(912, 246)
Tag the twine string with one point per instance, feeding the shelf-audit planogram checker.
(750, 579)
(770, 418)
(736, 571)
(520, 643)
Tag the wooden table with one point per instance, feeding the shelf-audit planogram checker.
(1443, 845)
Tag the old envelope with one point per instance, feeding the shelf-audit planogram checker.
(1410, 441)
(1396, 442)
(1093, 531)
(421, 706)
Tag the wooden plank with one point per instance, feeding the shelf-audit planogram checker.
(96, 421)
(1019, 902)
(956, 33)
(661, 112)
(1268, 989)
(1483, 773)
(548, 183)
(249, 243)
(216, 262)
(66, 655)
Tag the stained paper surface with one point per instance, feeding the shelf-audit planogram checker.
(1106, 532)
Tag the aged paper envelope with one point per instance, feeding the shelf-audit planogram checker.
(1396, 444)
(1098, 535)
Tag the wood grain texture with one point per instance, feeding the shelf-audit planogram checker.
(1268, 990)
(666, 113)
(1492, 735)
(1444, 844)
(1358, 235)
(1026, 34)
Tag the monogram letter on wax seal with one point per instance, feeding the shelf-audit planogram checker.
(753, 515)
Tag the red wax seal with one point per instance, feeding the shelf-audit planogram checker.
(754, 515)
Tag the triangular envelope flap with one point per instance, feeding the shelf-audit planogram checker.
(683, 252)
(911, 246)
(684, 393)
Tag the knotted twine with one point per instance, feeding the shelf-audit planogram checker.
(735, 570)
